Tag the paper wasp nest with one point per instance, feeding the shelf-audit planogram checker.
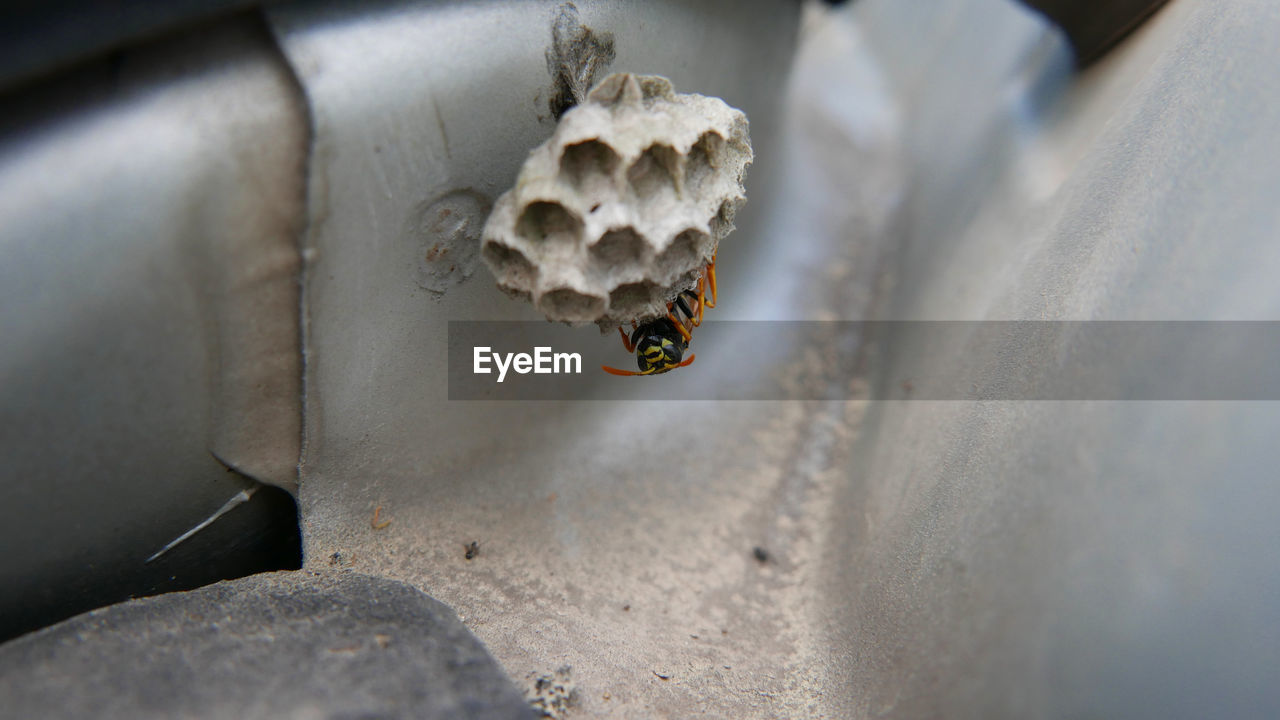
(623, 206)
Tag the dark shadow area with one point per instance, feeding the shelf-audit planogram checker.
(40, 38)
(260, 535)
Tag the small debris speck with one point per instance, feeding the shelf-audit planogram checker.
(376, 523)
(760, 554)
(662, 676)
(471, 550)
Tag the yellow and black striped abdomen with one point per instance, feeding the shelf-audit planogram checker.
(659, 346)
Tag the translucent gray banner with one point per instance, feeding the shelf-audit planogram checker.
(957, 361)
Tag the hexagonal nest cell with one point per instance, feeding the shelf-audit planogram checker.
(623, 206)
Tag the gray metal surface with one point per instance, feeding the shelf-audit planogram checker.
(985, 559)
(150, 208)
(43, 37)
(616, 546)
(995, 559)
(1056, 560)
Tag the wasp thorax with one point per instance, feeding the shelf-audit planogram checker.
(623, 206)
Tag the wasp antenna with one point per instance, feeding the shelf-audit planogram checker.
(688, 362)
(616, 371)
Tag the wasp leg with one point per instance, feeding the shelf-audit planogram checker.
(710, 276)
(626, 341)
(702, 301)
(616, 371)
(684, 332)
(684, 306)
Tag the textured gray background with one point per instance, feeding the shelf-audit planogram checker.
(994, 559)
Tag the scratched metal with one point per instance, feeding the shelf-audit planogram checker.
(149, 212)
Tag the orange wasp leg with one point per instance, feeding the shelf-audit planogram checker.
(696, 319)
(626, 341)
(710, 276)
(616, 371)
(684, 332)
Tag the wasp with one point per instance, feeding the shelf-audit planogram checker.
(660, 344)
